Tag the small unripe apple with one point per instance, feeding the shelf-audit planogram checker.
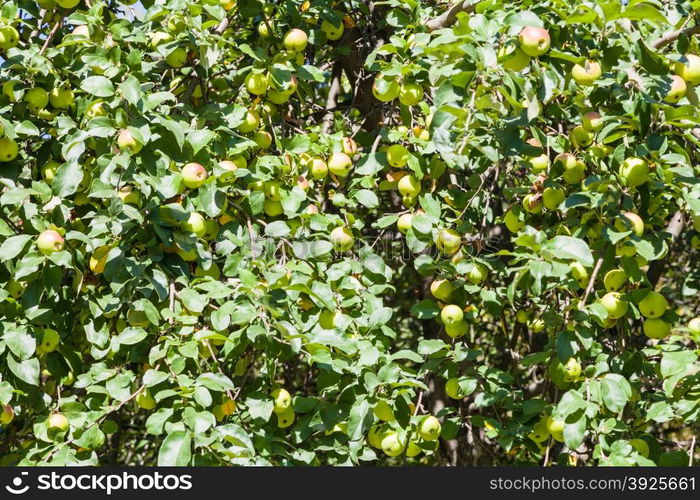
(448, 241)
(61, 97)
(397, 155)
(9, 37)
(532, 203)
(332, 31)
(477, 274)
(688, 68)
(195, 224)
(410, 94)
(630, 222)
(614, 279)
(273, 190)
(653, 305)
(273, 208)
(586, 74)
(49, 341)
(125, 140)
(295, 40)
(574, 170)
(318, 168)
(385, 88)
(580, 273)
(409, 186)
(512, 221)
(98, 259)
(451, 314)
(159, 37)
(58, 421)
(49, 241)
(8, 413)
(286, 418)
(452, 388)
(145, 400)
(534, 41)
(339, 164)
(282, 400)
(592, 121)
(263, 139)
(614, 304)
(404, 223)
(250, 122)
(348, 146)
(176, 58)
(441, 289)
(634, 172)
(539, 433)
(383, 411)
(539, 163)
(8, 149)
(375, 435)
(656, 328)
(513, 58)
(392, 445)
(458, 329)
(256, 83)
(193, 175)
(676, 91)
(552, 197)
(572, 370)
(96, 109)
(429, 428)
(694, 325)
(36, 99)
(130, 196)
(580, 137)
(342, 239)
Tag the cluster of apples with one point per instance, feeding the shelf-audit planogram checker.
(386, 433)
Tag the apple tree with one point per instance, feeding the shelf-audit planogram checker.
(321, 232)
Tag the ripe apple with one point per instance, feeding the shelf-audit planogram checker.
(409, 186)
(452, 388)
(36, 99)
(98, 259)
(58, 421)
(397, 155)
(385, 88)
(8, 413)
(512, 220)
(49, 341)
(513, 58)
(552, 197)
(653, 305)
(614, 279)
(273, 208)
(534, 41)
(282, 400)
(295, 40)
(656, 328)
(429, 428)
(592, 121)
(61, 97)
(410, 94)
(532, 203)
(477, 274)
(448, 241)
(8, 149)
(456, 330)
(441, 289)
(195, 224)
(392, 445)
(451, 314)
(176, 58)
(125, 140)
(228, 406)
(383, 411)
(634, 172)
(342, 239)
(49, 241)
(193, 175)
(256, 83)
(404, 223)
(614, 304)
(9, 37)
(250, 122)
(318, 168)
(630, 222)
(586, 74)
(676, 91)
(286, 418)
(332, 31)
(580, 137)
(694, 325)
(145, 400)
(339, 164)
(688, 68)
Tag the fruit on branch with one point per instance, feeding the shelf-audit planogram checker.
(273, 208)
(7, 415)
(572, 370)
(98, 259)
(449, 241)
(410, 94)
(580, 137)
(36, 99)
(385, 88)
(58, 421)
(694, 325)
(586, 74)
(539, 433)
(145, 400)
(409, 186)
(9, 37)
(614, 304)
(193, 175)
(656, 328)
(96, 109)
(8, 149)
(404, 222)
(195, 224)
(451, 314)
(513, 58)
(251, 122)
(458, 329)
(176, 58)
(512, 220)
(61, 97)
(318, 168)
(342, 239)
(159, 37)
(282, 400)
(348, 146)
(339, 164)
(49, 341)
(397, 155)
(263, 139)
(392, 445)
(592, 121)
(676, 90)
(50, 241)
(574, 170)
(552, 197)
(614, 279)
(688, 68)
(375, 436)
(477, 274)
(429, 428)
(256, 83)
(452, 388)
(630, 221)
(295, 40)
(126, 141)
(555, 428)
(634, 172)
(383, 411)
(441, 289)
(580, 273)
(653, 305)
(532, 203)
(534, 41)
(332, 31)
(286, 418)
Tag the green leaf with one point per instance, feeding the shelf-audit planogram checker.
(12, 246)
(99, 86)
(568, 248)
(616, 391)
(176, 450)
(27, 370)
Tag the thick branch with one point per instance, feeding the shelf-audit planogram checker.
(449, 17)
(332, 101)
(672, 36)
(675, 228)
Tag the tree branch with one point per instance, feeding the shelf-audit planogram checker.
(449, 17)
(675, 228)
(672, 36)
(332, 100)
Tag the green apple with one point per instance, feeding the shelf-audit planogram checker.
(452, 388)
(8, 149)
(397, 155)
(413, 449)
(614, 279)
(552, 197)
(656, 328)
(441, 289)
(513, 58)
(383, 411)
(263, 29)
(177, 58)
(653, 305)
(318, 168)
(375, 435)
(130, 196)
(676, 90)
(458, 329)
(522, 316)
(404, 222)
(332, 31)
(16, 288)
(282, 400)
(630, 222)
(409, 186)
(195, 224)
(342, 239)
(273, 190)
(98, 259)
(694, 326)
(532, 203)
(50, 241)
(592, 121)
(410, 94)
(477, 274)
(9, 37)
(286, 418)
(385, 88)
(159, 37)
(688, 68)
(451, 314)
(339, 164)
(8, 413)
(126, 141)
(580, 273)
(512, 220)
(49, 341)
(572, 370)
(574, 170)
(539, 163)
(586, 74)
(580, 137)
(61, 97)
(539, 433)
(58, 421)
(556, 429)
(348, 146)
(96, 109)
(392, 445)
(145, 400)
(256, 83)
(429, 428)
(449, 241)
(614, 304)
(534, 41)
(194, 175)
(36, 99)
(250, 122)
(273, 208)
(634, 172)
(295, 40)
(327, 319)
